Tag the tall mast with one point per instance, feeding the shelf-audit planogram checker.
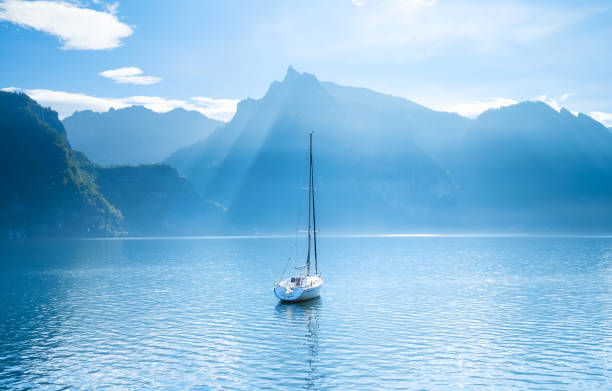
(309, 205)
(314, 220)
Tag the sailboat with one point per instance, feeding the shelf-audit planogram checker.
(304, 284)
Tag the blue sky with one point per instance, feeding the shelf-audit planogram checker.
(462, 56)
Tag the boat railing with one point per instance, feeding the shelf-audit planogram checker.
(301, 284)
(307, 285)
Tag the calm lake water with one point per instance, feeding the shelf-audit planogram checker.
(395, 313)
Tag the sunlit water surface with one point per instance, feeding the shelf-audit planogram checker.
(395, 313)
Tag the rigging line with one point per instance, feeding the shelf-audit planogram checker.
(284, 270)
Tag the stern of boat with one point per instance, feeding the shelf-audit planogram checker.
(298, 289)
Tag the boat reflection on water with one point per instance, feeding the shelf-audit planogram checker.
(304, 315)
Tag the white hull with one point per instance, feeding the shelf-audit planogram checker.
(289, 292)
(297, 294)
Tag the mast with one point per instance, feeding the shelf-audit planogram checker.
(314, 220)
(310, 191)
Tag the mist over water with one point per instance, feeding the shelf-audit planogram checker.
(395, 313)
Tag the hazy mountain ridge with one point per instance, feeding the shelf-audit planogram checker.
(205, 155)
(135, 134)
(358, 152)
(529, 164)
(385, 162)
(48, 189)
(155, 200)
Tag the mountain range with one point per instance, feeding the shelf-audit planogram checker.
(386, 163)
(382, 164)
(135, 134)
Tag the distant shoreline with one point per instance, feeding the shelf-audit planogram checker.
(339, 236)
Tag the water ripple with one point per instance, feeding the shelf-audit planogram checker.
(396, 313)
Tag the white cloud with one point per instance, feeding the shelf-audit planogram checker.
(112, 8)
(474, 109)
(604, 118)
(66, 103)
(129, 75)
(553, 101)
(216, 108)
(77, 28)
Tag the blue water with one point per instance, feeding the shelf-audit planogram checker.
(395, 313)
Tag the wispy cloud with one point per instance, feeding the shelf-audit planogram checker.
(112, 8)
(474, 109)
(400, 30)
(604, 118)
(66, 103)
(361, 3)
(216, 108)
(553, 101)
(78, 28)
(129, 75)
